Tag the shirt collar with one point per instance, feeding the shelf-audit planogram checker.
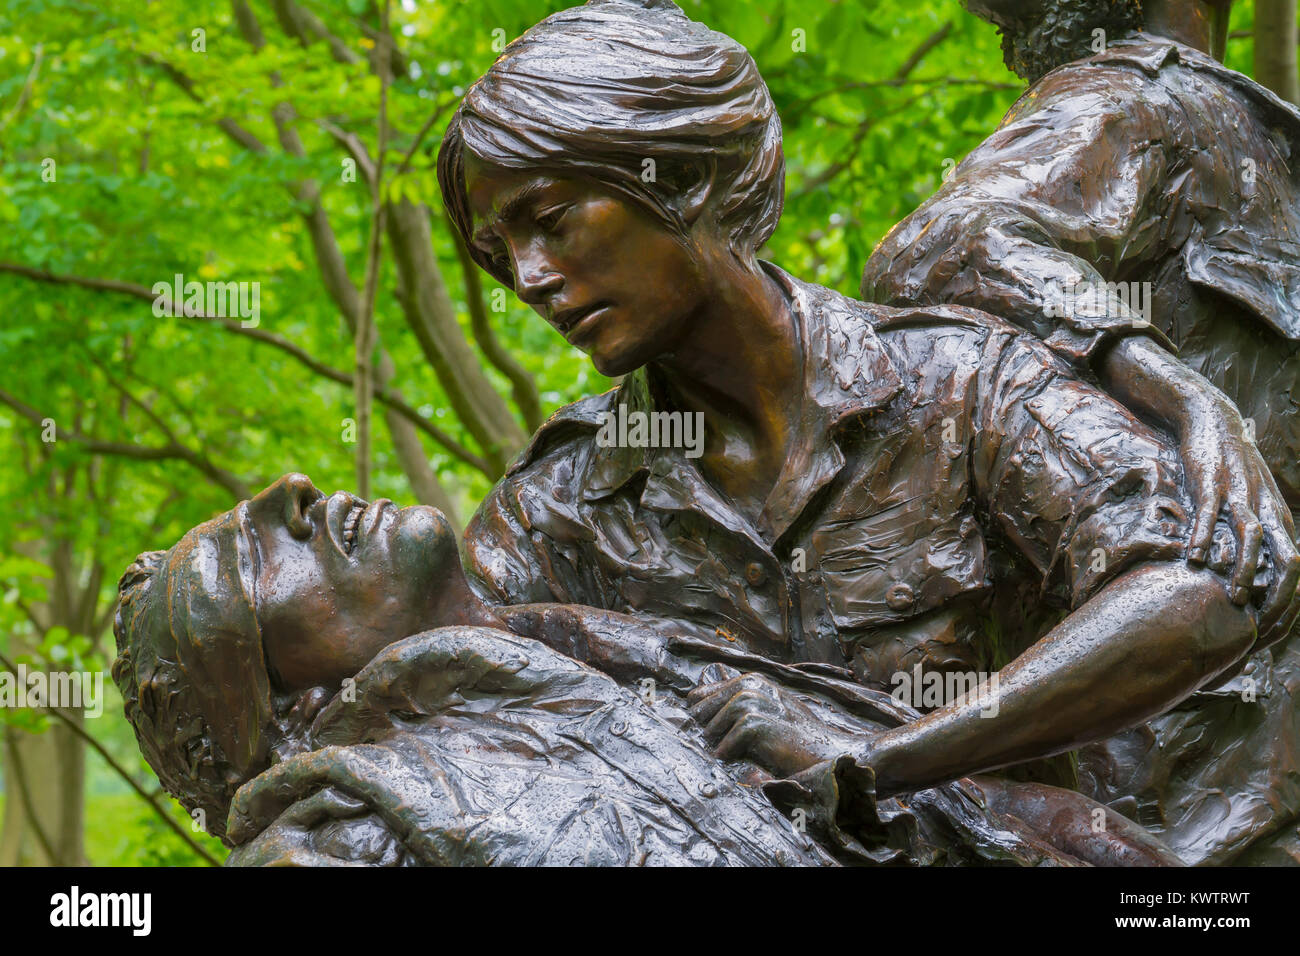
(847, 373)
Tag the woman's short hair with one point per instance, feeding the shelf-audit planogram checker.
(638, 97)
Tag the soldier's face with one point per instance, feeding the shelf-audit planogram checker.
(339, 579)
(608, 276)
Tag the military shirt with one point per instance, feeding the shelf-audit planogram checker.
(940, 449)
(1152, 167)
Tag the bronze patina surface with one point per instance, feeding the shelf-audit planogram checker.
(1151, 167)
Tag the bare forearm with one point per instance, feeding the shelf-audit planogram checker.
(1150, 382)
(1142, 644)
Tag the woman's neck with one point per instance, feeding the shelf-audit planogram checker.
(741, 359)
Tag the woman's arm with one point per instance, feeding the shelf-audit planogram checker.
(1143, 643)
(1089, 497)
(1140, 645)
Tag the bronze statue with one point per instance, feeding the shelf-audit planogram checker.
(872, 479)
(278, 672)
(1150, 170)
(276, 659)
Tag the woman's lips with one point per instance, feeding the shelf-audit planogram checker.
(584, 324)
(566, 319)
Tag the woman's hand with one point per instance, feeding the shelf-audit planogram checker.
(1226, 472)
(752, 717)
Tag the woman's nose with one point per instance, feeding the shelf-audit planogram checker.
(291, 497)
(537, 282)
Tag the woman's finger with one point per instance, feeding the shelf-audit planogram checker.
(740, 739)
(705, 701)
(747, 703)
(1207, 512)
(1286, 567)
(1250, 539)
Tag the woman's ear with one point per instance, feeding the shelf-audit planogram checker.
(694, 196)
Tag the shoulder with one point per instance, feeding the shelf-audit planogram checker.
(841, 317)
(947, 334)
(1135, 77)
(566, 433)
(1148, 73)
(891, 321)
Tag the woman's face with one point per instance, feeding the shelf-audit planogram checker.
(338, 580)
(608, 276)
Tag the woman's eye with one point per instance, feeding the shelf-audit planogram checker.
(549, 219)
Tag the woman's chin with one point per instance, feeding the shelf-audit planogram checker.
(615, 362)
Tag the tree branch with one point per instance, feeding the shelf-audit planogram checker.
(19, 774)
(38, 54)
(120, 771)
(364, 342)
(172, 450)
(901, 74)
(386, 395)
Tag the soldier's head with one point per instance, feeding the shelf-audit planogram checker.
(1040, 35)
(229, 642)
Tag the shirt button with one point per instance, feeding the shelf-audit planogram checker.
(755, 574)
(899, 596)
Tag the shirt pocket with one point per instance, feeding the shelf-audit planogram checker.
(898, 563)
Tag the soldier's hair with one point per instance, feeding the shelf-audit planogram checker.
(170, 726)
(599, 90)
(202, 746)
(1063, 32)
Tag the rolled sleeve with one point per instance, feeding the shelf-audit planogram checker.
(1071, 480)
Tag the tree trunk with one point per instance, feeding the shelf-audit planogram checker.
(431, 316)
(1275, 48)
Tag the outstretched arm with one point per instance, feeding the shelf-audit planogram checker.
(1090, 498)
(1144, 642)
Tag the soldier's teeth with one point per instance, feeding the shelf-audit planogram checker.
(350, 528)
